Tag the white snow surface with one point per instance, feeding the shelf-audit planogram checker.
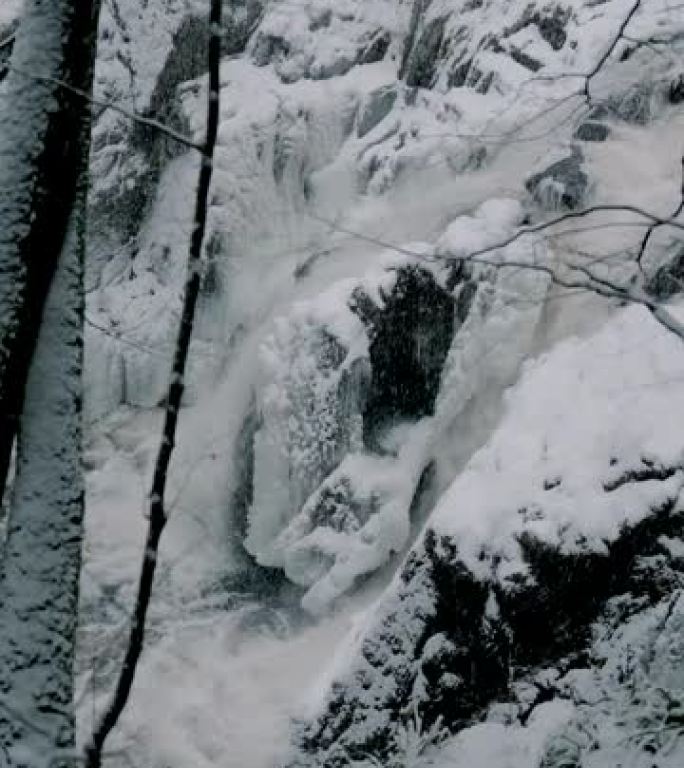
(10, 11)
(582, 419)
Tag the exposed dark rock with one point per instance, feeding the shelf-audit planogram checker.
(269, 49)
(563, 184)
(491, 43)
(378, 105)
(340, 66)
(338, 507)
(321, 20)
(668, 280)
(449, 643)
(244, 472)
(551, 21)
(676, 90)
(484, 83)
(458, 76)
(649, 471)
(214, 250)
(376, 50)
(410, 336)
(468, 74)
(635, 106)
(590, 131)
(423, 60)
(534, 65)
(187, 60)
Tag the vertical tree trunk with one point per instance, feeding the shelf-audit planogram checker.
(40, 159)
(44, 147)
(40, 568)
(158, 513)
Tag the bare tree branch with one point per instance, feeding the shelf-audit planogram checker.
(158, 514)
(520, 233)
(105, 105)
(649, 232)
(593, 283)
(609, 51)
(7, 41)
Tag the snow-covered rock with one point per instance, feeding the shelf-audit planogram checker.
(571, 503)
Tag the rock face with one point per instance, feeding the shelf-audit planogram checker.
(354, 389)
(376, 109)
(410, 335)
(150, 82)
(562, 185)
(448, 644)
(591, 131)
(483, 603)
(424, 58)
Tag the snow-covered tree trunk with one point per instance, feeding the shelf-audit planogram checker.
(40, 148)
(44, 146)
(40, 569)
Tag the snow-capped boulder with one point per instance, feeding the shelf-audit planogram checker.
(324, 39)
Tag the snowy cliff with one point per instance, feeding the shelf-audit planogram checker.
(475, 471)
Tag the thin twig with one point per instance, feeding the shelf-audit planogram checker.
(595, 285)
(520, 233)
(8, 41)
(149, 122)
(609, 51)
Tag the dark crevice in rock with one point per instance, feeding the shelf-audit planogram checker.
(520, 57)
(410, 335)
(551, 21)
(422, 62)
(675, 92)
(378, 105)
(243, 468)
(592, 131)
(376, 50)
